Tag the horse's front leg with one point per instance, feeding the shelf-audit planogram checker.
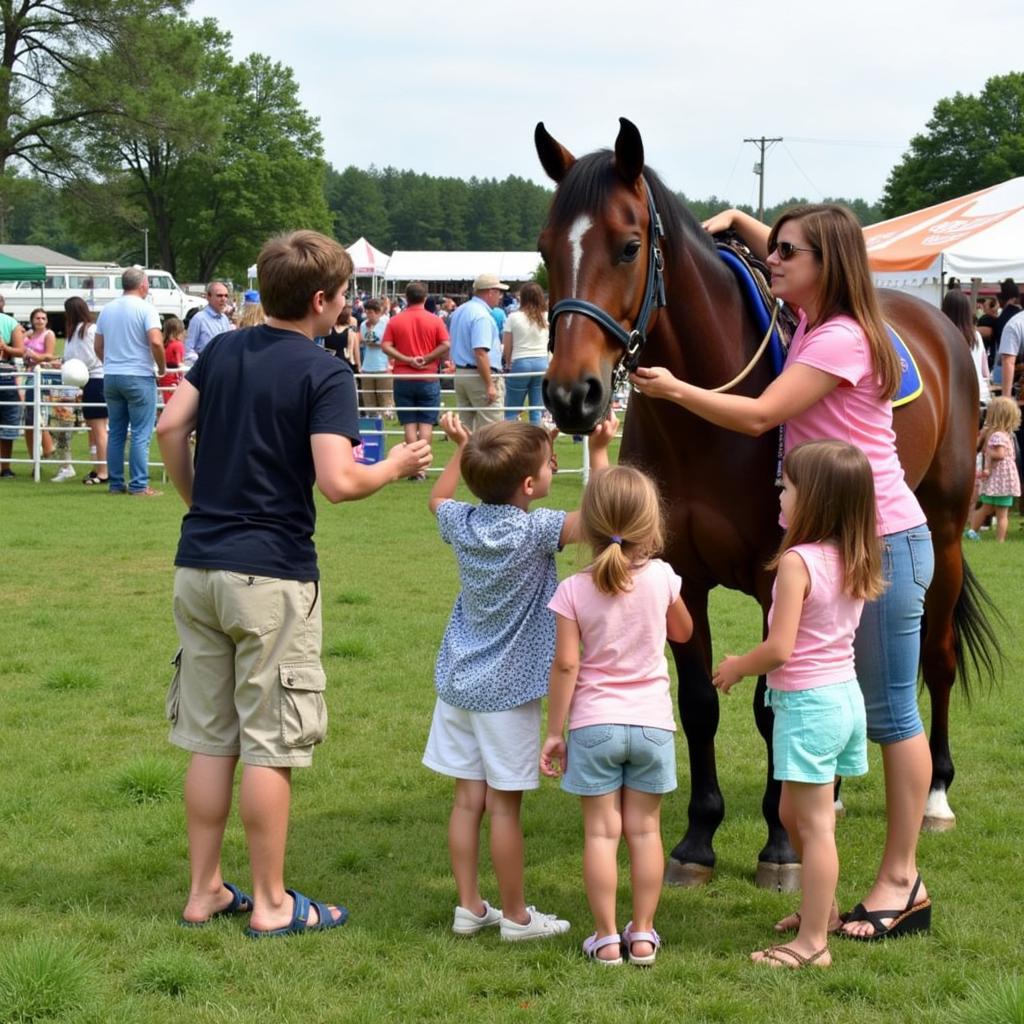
(777, 864)
(692, 861)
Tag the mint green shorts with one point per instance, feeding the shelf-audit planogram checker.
(819, 733)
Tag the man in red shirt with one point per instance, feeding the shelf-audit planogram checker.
(417, 341)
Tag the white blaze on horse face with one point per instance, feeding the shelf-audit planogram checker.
(580, 226)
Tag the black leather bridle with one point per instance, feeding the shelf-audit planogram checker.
(633, 341)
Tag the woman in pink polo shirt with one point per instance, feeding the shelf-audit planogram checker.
(838, 381)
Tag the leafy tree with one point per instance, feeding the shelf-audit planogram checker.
(970, 142)
(213, 156)
(357, 206)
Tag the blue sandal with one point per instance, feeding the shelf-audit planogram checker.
(300, 919)
(241, 903)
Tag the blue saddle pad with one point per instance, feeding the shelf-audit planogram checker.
(762, 313)
(910, 382)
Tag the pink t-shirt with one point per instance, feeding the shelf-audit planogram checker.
(853, 412)
(623, 677)
(823, 652)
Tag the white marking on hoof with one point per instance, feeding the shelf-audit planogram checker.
(840, 809)
(938, 815)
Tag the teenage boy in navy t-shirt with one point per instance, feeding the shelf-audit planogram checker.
(274, 414)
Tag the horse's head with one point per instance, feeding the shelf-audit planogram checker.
(597, 245)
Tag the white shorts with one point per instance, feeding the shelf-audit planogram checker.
(501, 748)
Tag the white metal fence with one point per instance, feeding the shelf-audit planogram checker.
(46, 397)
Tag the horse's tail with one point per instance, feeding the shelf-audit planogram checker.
(979, 655)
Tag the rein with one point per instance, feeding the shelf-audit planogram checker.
(633, 341)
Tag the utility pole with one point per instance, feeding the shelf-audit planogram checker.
(762, 143)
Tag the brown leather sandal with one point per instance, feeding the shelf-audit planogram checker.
(792, 959)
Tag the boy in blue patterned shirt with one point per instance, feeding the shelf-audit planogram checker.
(492, 669)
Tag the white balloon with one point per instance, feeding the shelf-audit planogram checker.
(74, 374)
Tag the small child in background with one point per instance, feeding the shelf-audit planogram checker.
(492, 668)
(999, 480)
(620, 758)
(828, 564)
(174, 351)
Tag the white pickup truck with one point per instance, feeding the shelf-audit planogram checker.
(98, 285)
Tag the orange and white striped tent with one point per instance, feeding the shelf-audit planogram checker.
(980, 235)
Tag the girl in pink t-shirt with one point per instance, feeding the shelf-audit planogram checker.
(828, 564)
(999, 479)
(610, 679)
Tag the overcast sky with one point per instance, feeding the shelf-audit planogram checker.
(440, 88)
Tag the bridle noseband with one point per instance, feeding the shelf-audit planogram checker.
(633, 341)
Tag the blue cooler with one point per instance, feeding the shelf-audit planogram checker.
(371, 435)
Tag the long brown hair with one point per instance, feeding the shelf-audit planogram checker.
(621, 522)
(845, 286)
(534, 305)
(835, 500)
(76, 314)
(957, 307)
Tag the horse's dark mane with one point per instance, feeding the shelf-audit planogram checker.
(589, 182)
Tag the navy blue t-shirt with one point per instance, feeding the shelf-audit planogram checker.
(262, 392)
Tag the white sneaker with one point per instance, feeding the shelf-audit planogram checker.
(540, 926)
(467, 923)
(64, 473)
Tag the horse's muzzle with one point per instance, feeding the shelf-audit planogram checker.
(577, 407)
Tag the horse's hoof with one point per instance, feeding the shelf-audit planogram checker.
(938, 815)
(840, 809)
(687, 876)
(780, 877)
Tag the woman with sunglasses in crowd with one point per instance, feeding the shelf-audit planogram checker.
(838, 381)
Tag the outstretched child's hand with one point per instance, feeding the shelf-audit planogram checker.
(728, 673)
(453, 428)
(601, 436)
(552, 756)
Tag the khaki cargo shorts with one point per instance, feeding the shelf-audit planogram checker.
(248, 679)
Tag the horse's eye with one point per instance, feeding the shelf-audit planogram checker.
(630, 252)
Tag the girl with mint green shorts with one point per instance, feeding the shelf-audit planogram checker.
(828, 564)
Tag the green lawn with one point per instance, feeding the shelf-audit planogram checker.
(93, 866)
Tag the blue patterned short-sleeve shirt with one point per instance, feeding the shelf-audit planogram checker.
(497, 649)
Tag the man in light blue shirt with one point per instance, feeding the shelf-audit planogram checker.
(476, 353)
(130, 345)
(208, 322)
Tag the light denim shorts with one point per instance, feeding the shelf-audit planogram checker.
(603, 758)
(819, 733)
(887, 646)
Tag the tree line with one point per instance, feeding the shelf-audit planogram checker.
(123, 121)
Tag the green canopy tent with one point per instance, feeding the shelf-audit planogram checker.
(18, 270)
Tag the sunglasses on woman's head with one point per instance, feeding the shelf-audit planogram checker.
(787, 250)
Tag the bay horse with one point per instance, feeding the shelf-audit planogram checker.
(635, 280)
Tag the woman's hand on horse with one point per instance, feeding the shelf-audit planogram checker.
(719, 222)
(655, 382)
(728, 673)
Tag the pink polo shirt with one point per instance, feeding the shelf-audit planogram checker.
(623, 677)
(853, 412)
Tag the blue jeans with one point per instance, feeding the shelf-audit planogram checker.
(130, 400)
(887, 647)
(517, 388)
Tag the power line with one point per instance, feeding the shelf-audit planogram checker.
(763, 144)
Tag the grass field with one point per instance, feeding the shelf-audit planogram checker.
(93, 867)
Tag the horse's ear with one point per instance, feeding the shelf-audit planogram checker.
(554, 157)
(629, 152)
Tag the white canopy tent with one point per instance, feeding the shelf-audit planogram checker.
(980, 235)
(460, 267)
(367, 261)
